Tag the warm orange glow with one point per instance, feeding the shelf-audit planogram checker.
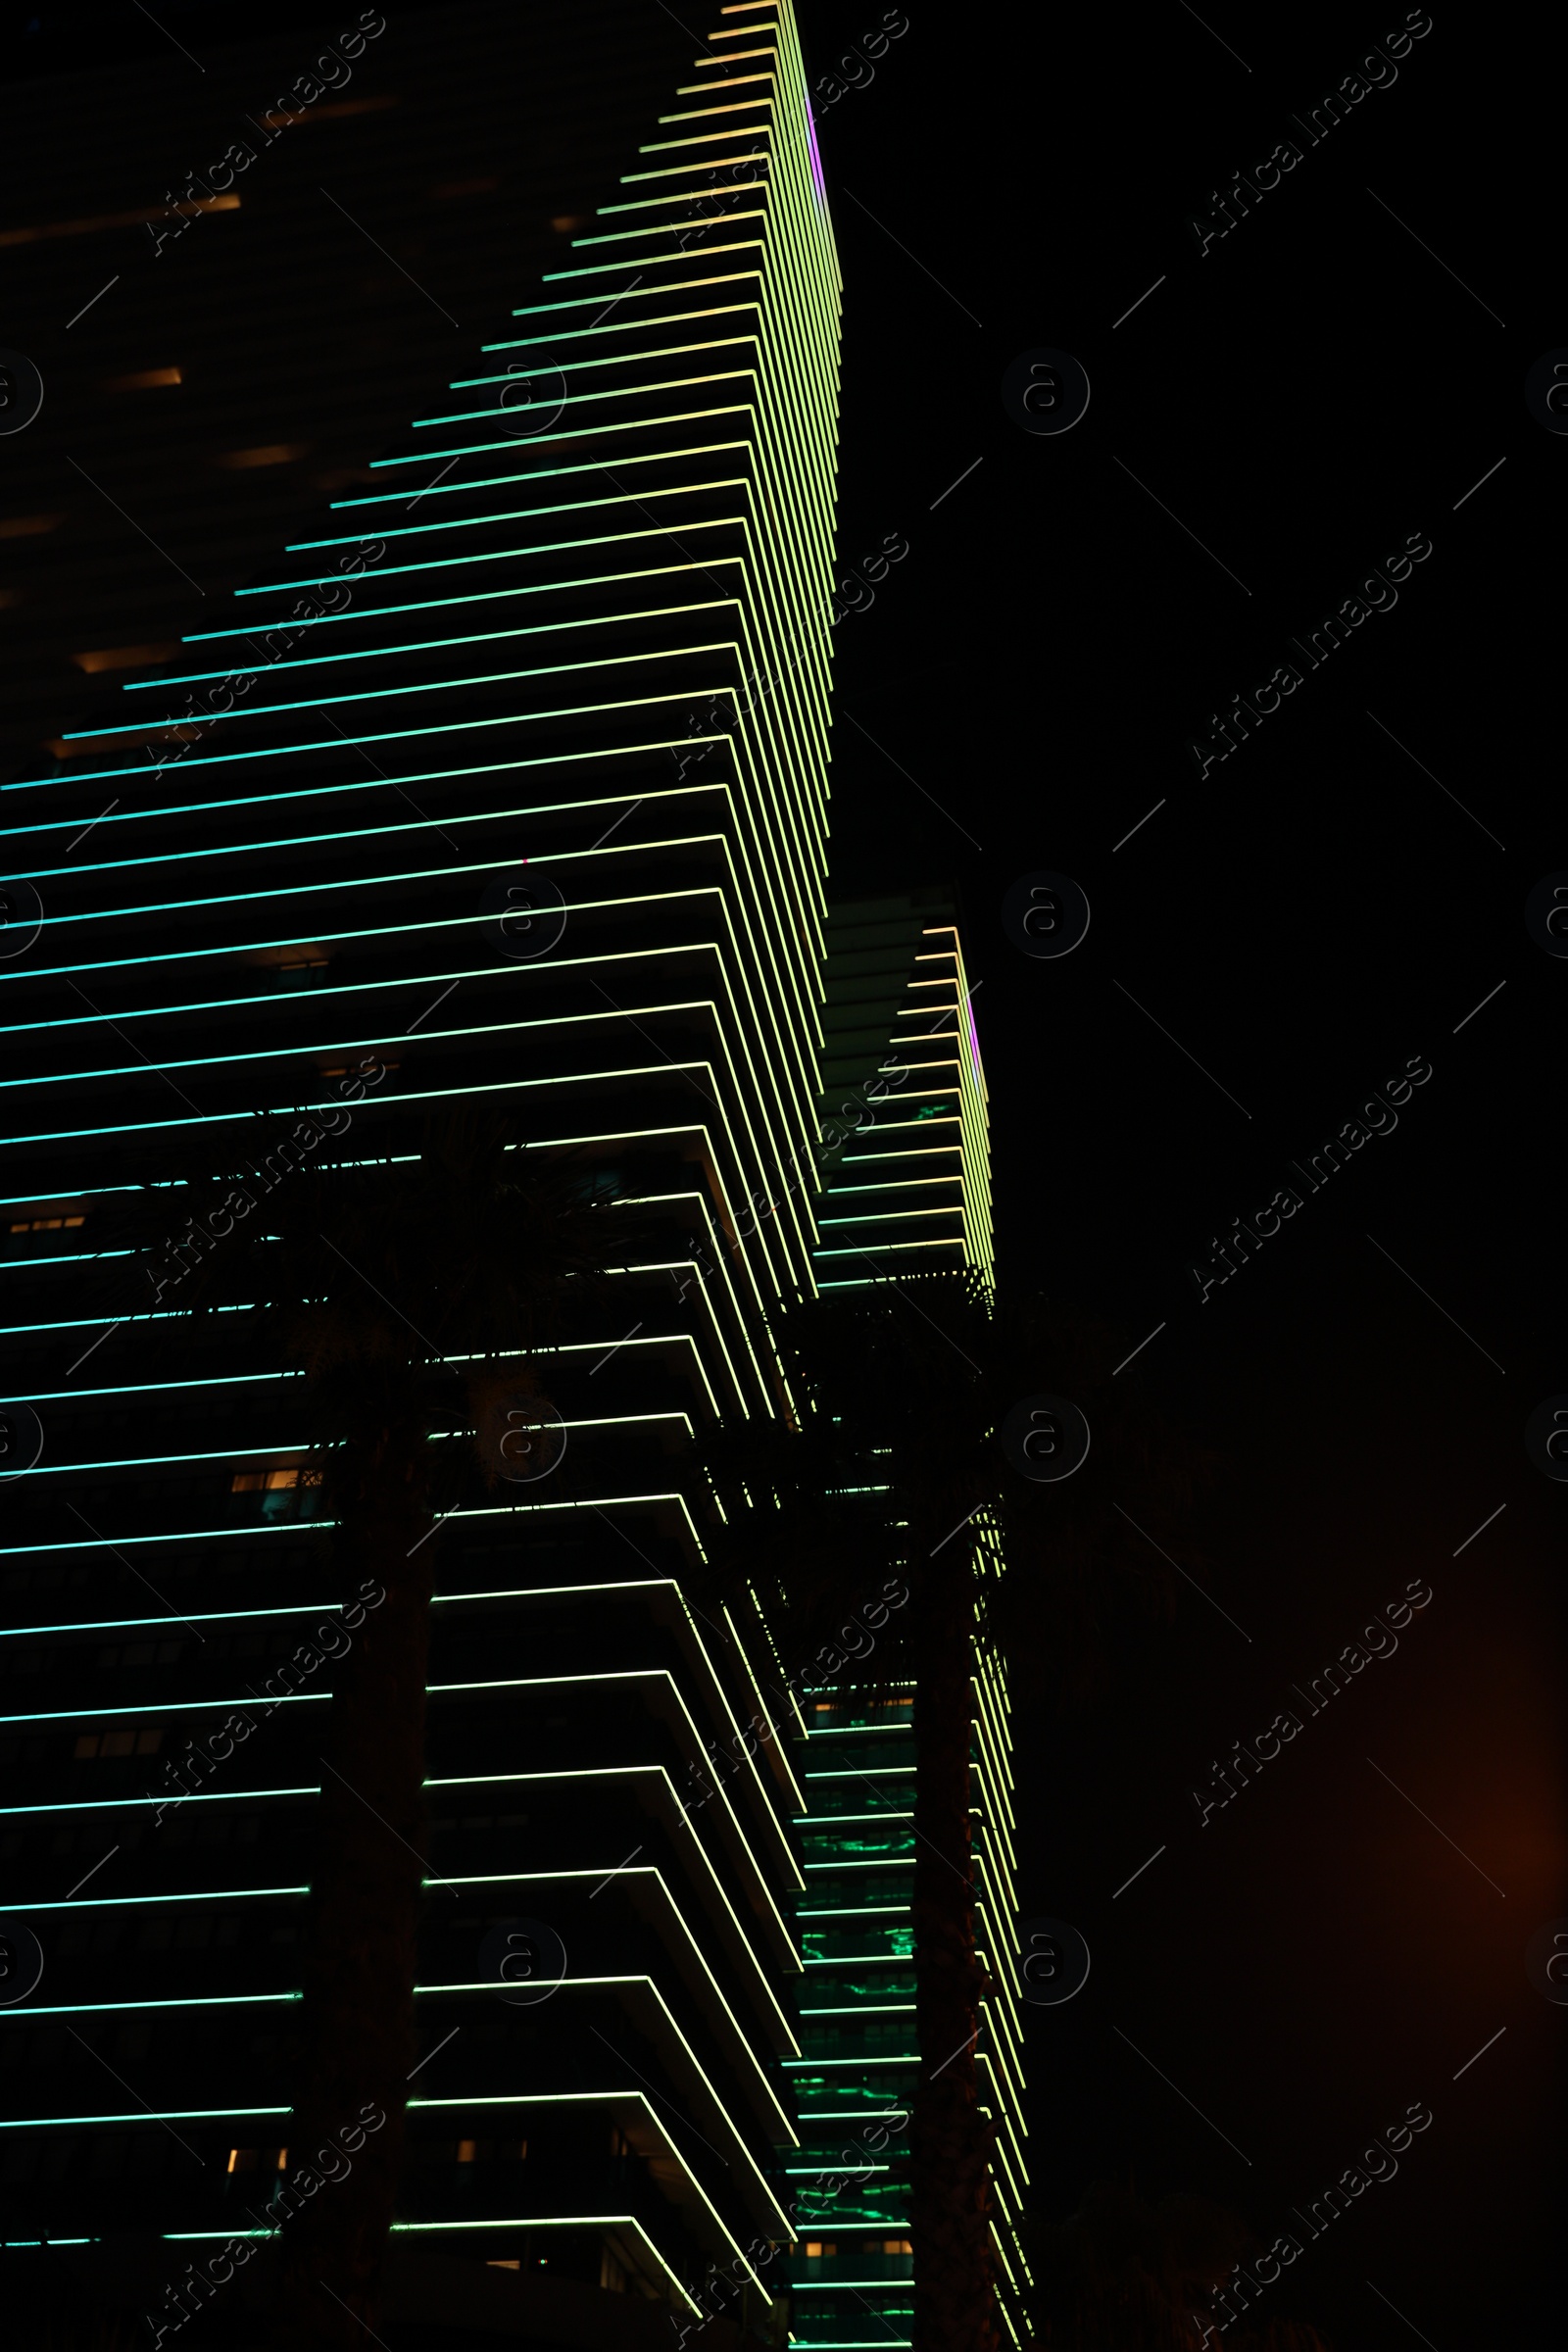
(123, 657)
(277, 122)
(275, 452)
(99, 220)
(289, 956)
(29, 526)
(147, 381)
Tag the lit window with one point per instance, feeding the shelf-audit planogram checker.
(29, 526)
(896, 2245)
(46, 1224)
(253, 1482)
(288, 959)
(465, 2148)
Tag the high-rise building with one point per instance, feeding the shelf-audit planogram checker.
(903, 1118)
(506, 781)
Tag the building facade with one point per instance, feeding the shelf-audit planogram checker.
(508, 782)
(903, 1117)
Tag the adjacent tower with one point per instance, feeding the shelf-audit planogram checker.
(904, 1107)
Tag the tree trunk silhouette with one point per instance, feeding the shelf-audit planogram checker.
(949, 2141)
(362, 1933)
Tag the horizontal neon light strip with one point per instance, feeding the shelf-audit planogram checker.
(147, 2115)
(210, 2001)
(171, 1797)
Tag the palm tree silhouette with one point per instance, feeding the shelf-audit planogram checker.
(893, 1466)
(413, 1293)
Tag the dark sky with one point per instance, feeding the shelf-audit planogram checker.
(1323, 906)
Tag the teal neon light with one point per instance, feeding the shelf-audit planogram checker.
(144, 2115)
(387, 694)
(426, 644)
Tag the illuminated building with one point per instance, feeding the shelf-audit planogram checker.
(571, 643)
(909, 1190)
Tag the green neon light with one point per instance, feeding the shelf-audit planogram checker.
(215, 1895)
(170, 1798)
(213, 2000)
(426, 644)
(392, 693)
(479, 596)
(146, 2115)
(580, 400)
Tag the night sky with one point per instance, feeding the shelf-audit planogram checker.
(1320, 909)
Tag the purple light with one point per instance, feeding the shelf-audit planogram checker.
(817, 160)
